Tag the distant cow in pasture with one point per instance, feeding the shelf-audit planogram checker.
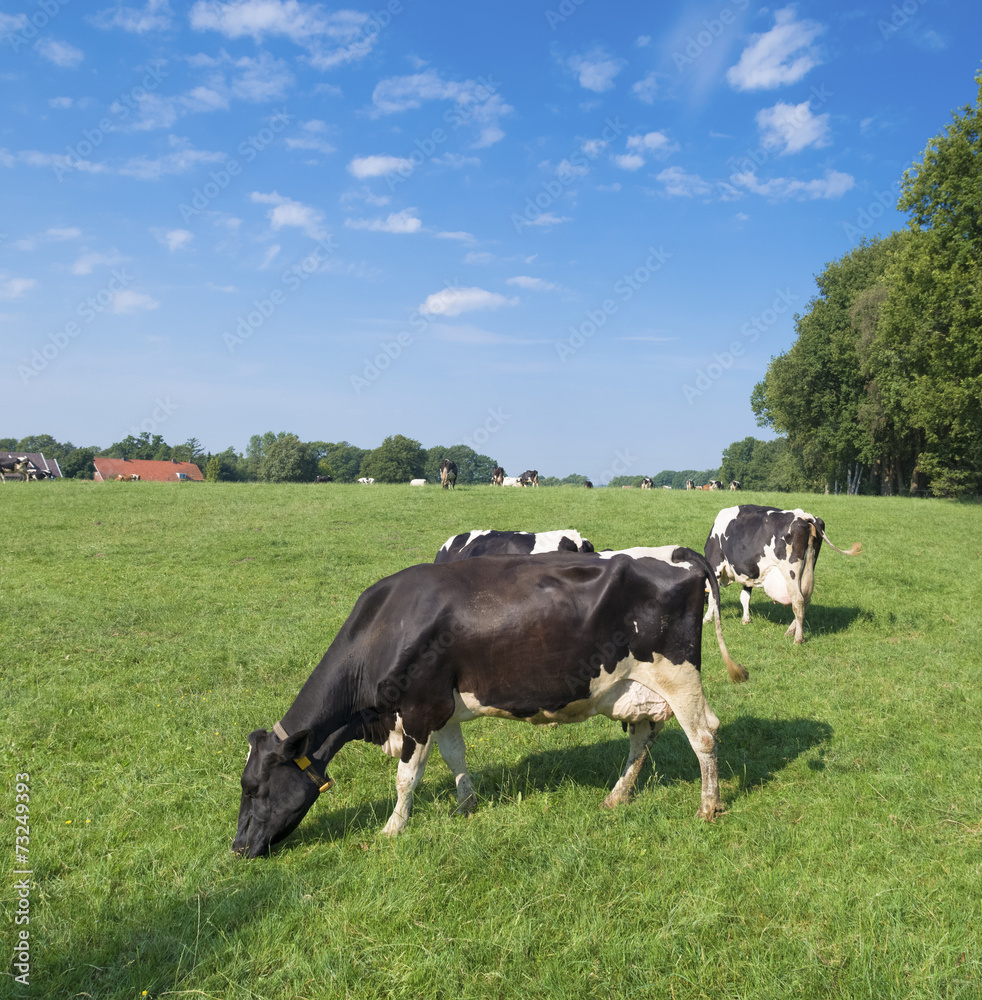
(14, 466)
(647, 484)
(489, 542)
(497, 476)
(366, 480)
(417, 482)
(666, 487)
(588, 485)
(690, 484)
(448, 474)
(511, 481)
(555, 639)
(770, 548)
(735, 484)
(131, 478)
(323, 479)
(530, 477)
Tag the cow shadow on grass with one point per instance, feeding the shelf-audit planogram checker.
(818, 619)
(751, 750)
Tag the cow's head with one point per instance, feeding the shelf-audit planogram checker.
(277, 790)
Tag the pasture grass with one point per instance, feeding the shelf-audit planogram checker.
(147, 628)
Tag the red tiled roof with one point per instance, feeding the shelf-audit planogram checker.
(107, 469)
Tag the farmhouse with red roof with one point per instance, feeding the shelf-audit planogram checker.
(107, 469)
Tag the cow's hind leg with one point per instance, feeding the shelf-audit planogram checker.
(411, 767)
(799, 605)
(450, 740)
(642, 736)
(745, 601)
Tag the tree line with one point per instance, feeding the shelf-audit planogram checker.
(881, 391)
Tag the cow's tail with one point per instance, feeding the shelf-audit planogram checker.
(854, 551)
(737, 671)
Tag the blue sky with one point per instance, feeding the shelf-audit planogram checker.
(569, 234)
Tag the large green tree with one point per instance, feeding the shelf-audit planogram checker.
(341, 461)
(287, 460)
(396, 460)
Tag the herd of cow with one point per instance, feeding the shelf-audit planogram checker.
(486, 630)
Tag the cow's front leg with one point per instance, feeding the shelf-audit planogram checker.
(412, 764)
(642, 736)
(450, 740)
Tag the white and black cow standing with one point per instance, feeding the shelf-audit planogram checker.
(647, 483)
(497, 476)
(489, 542)
(448, 474)
(770, 548)
(530, 477)
(556, 639)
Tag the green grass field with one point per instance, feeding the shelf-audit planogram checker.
(147, 629)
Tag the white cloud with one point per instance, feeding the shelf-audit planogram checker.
(833, 185)
(309, 143)
(453, 301)
(457, 161)
(272, 252)
(679, 184)
(174, 239)
(595, 70)
(60, 234)
(60, 102)
(639, 146)
(87, 263)
(532, 284)
(14, 288)
(567, 169)
(60, 53)
(377, 166)
(459, 235)
(128, 301)
(331, 38)
(395, 222)
(548, 219)
(646, 88)
(287, 212)
(642, 41)
(12, 23)
(155, 16)
(792, 126)
(777, 57)
(182, 159)
(479, 257)
(629, 161)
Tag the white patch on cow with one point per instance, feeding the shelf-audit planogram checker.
(248, 753)
(775, 586)
(548, 541)
(629, 693)
(393, 745)
(660, 552)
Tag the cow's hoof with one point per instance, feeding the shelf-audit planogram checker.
(613, 801)
(467, 806)
(709, 813)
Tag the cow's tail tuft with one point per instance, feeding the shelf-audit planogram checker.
(854, 551)
(738, 672)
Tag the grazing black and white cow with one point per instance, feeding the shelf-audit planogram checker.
(588, 485)
(647, 484)
(735, 484)
(366, 480)
(497, 476)
(530, 477)
(511, 543)
(690, 484)
(323, 479)
(448, 474)
(557, 639)
(770, 548)
(512, 481)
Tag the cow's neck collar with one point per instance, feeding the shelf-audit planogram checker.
(323, 784)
